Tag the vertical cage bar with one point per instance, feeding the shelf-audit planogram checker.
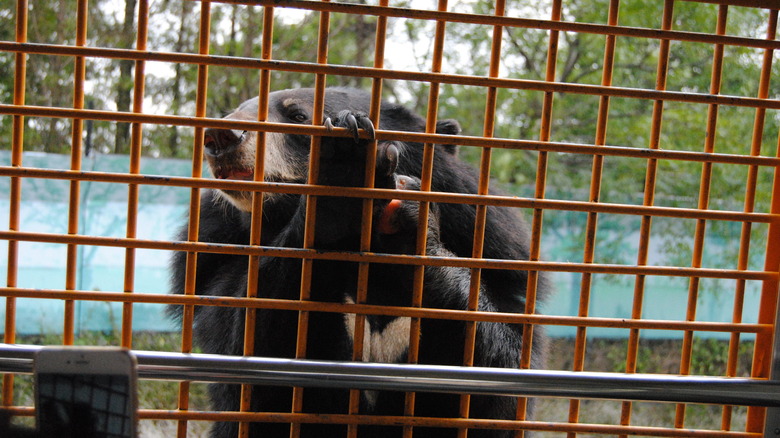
(71, 267)
(764, 364)
(538, 213)
(360, 328)
(255, 233)
(704, 200)
(648, 200)
(311, 207)
(424, 210)
(193, 224)
(481, 210)
(15, 195)
(595, 193)
(766, 356)
(136, 137)
(750, 200)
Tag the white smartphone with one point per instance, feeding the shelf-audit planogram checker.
(86, 392)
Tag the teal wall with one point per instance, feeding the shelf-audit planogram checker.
(103, 209)
(162, 210)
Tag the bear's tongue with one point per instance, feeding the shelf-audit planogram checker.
(241, 174)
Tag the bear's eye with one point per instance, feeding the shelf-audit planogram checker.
(298, 117)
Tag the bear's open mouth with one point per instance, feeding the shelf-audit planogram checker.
(239, 174)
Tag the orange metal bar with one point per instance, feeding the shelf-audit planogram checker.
(311, 208)
(463, 262)
(148, 414)
(305, 67)
(762, 352)
(704, 197)
(439, 422)
(502, 201)
(136, 136)
(538, 213)
(358, 335)
(411, 312)
(253, 270)
(193, 223)
(71, 269)
(648, 200)
(424, 209)
(480, 221)
(562, 26)
(576, 148)
(750, 200)
(745, 3)
(595, 189)
(15, 193)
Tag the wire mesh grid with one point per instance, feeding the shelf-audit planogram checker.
(657, 151)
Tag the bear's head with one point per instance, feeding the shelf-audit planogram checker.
(230, 154)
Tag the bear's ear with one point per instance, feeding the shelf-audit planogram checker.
(448, 127)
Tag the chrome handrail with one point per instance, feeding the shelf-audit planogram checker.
(434, 378)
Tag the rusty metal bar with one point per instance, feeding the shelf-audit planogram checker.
(462, 262)
(311, 208)
(193, 222)
(643, 250)
(502, 201)
(595, 194)
(253, 268)
(765, 353)
(704, 200)
(480, 219)
(412, 312)
(15, 192)
(744, 3)
(562, 26)
(532, 145)
(538, 213)
(149, 414)
(360, 328)
(136, 137)
(426, 177)
(79, 75)
(749, 206)
(577, 148)
(442, 422)
(771, 415)
(340, 70)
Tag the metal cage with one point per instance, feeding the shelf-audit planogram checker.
(759, 392)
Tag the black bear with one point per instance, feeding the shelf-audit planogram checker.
(225, 218)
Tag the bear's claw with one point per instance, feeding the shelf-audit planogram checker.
(352, 122)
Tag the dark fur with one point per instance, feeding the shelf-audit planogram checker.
(220, 330)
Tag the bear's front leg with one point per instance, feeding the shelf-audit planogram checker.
(343, 163)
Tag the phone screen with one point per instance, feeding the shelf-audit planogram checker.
(85, 405)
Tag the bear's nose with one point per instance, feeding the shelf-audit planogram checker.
(219, 142)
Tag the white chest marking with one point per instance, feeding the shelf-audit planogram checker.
(385, 346)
